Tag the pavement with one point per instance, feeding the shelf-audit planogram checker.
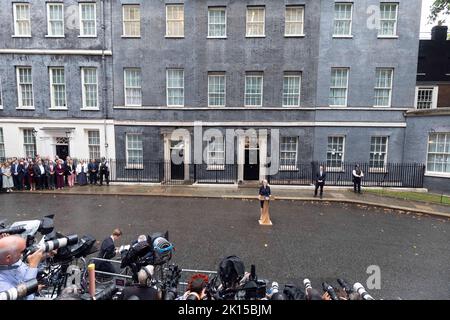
(331, 194)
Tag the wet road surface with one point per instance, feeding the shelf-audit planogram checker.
(318, 240)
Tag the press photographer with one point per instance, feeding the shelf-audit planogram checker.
(13, 270)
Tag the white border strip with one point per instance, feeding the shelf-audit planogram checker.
(53, 121)
(263, 124)
(259, 108)
(57, 52)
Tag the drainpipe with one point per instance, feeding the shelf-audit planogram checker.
(104, 78)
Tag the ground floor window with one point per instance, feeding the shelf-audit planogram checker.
(288, 153)
(29, 143)
(134, 150)
(335, 153)
(438, 160)
(2, 146)
(378, 152)
(215, 154)
(94, 144)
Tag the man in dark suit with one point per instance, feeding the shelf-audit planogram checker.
(108, 251)
(17, 171)
(321, 175)
(40, 175)
(93, 171)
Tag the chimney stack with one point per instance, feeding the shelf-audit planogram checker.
(439, 33)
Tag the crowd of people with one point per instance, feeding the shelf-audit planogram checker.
(230, 282)
(43, 173)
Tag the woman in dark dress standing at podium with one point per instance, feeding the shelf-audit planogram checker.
(264, 191)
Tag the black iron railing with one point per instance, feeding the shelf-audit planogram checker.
(410, 175)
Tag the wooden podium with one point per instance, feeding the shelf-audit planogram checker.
(264, 219)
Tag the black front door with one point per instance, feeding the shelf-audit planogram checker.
(177, 169)
(251, 169)
(62, 151)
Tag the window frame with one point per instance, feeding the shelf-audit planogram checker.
(125, 86)
(293, 75)
(287, 167)
(88, 131)
(16, 28)
(2, 146)
(130, 5)
(341, 168)
(218, 74)
(247, 29)
(80, 10)
(215, 166)
(446, 154)
(349, 35)
(25, 143)
(57, 4)
(83, 89)
(172, 5)
(385, 160)
(20, 105)
(332, 87)
(51, 70)
(134, 165)
(302, 34)
(391, 88)
(167, 88)
(254, 75)
(395, 33)
(209, 23)
(434, 97)
(1, 93)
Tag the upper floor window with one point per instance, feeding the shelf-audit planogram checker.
(294, 21)
(24, 87)
(342, 19)
(335, 153)
(378, 152)
(291, 90)
(22, 22)
(339, 86)
(426, 97)
(388, 19)
(217, 22)
(89, 88)
(288, 153)
(216, 89)
(57, 88)
(133, 88)
(131, 20)
(175, 20)
(256, 21)
(88, 20)
(438, 160)
(383, 87)
(253, 89)
(175, 87)
(55, 19)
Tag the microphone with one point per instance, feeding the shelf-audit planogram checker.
(344, 284)
(22, 290)
(107, 293)
(328, 288)
(358, 287)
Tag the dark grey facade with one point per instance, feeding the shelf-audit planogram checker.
(312, 54)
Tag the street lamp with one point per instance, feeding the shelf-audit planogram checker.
(34, 132)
